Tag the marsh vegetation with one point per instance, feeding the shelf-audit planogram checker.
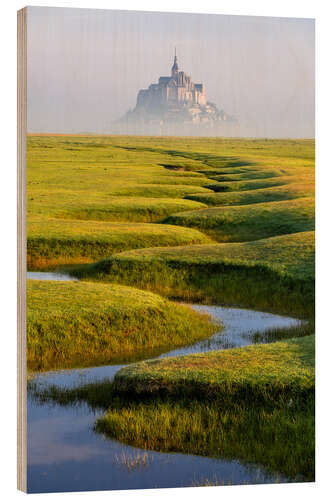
(87, 324)
(141, 221)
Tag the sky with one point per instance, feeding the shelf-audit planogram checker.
(86, 66)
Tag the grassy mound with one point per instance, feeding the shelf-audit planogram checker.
(54, 242)
(144, 179)
(263, 373)
(254, 404)
(247, 185)
(250, 222)
(200, 404)
(249, 174)
(93, 178)
(160, 191)
(279, 193)
(275, 274)
(123, 208)
(223, 153)
(89, 323)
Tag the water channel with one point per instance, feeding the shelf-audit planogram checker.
(65, 454)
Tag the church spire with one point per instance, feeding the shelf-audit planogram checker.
(175, 68)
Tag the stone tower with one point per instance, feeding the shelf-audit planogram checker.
(175, 68)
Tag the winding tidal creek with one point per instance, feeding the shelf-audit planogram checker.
(65, 454)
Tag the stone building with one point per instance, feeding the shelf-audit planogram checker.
(174, 100)
(176, 90)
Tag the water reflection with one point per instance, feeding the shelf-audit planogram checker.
(240, 325)
(65, 454)
(50, 276)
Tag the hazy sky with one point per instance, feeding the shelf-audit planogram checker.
(85, 67)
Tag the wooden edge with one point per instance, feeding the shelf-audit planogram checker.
(21, 249)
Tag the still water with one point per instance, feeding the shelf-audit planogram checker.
(49, 276)
(65, 454)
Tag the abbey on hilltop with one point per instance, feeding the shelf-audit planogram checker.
(175, 90)
(175, 99)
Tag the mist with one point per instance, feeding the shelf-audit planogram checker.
(85, 68)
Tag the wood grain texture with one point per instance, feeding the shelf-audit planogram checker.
(21, 249)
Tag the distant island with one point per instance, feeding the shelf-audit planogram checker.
(175, 99)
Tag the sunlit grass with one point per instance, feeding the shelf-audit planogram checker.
(274, 274)
(90, 197)
(54, 242)
(145, 179)
(80, 324)
(250, 222)
(277, 193)
(260, 183)
(256, 373)
(254, 405)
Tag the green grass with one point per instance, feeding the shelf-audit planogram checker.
(53, 242)
(160, 191)
(74, 205)
(226, 153)
(148, 179)
(250, 222)
(254, 404)
(79, 324)
(262, 373)
(230, 176)
(277, 193)
(247, 185)
(93, 178)
(90, 197)
(280, 438)
(274, 274)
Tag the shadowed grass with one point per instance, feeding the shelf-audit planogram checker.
(88, 323)
(249, 174)
(280, 438)
(142, 179)
(254, 404)
(223, 153)
(54, 242)
(278, 193)
(274, 274)
(220, 418)
(122, 208)
(250, 222)
(260, 409)
(92, 178)
(247, 185)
